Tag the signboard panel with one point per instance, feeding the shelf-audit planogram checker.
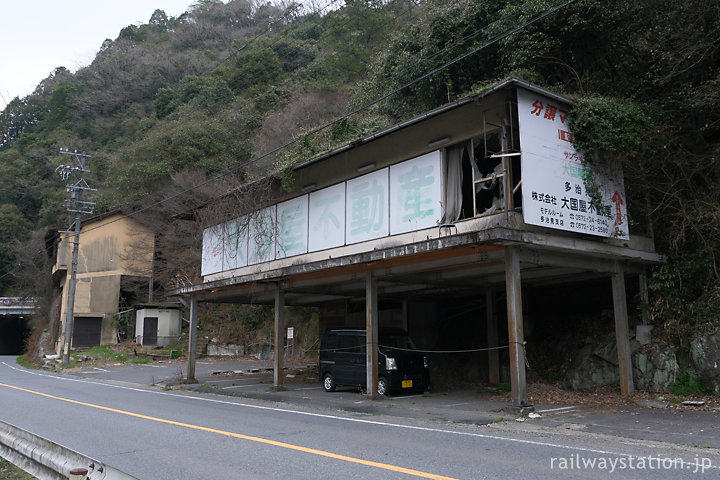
(292, 227)
(212, 250)
(262, 234)
(327, 218)
(368, 207)
(558, 189)
(416, 193)
(235, 248)
(402, 198)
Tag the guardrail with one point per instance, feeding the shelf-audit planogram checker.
(17, 306)
(48, 460)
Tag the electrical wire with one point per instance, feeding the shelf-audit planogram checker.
(378, 100)
(395, 91)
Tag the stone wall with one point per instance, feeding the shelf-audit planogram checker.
(655, 365)
(705, 353)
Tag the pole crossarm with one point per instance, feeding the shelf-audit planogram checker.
(78, 206)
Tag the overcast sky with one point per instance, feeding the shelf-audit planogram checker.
(38, 36)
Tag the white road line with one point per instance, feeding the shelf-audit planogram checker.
(356, 420)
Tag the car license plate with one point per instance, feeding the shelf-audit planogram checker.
(407, 384)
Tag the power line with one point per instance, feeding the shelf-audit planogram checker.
(395, 91)
(378, 100)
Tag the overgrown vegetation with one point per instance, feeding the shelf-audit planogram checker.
(686, 384)
(179, 110)
(8, 471)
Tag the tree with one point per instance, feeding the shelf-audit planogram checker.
(13, 227)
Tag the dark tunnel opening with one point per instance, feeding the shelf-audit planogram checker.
(14, 331)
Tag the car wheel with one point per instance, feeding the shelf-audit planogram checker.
(382, 388)
(328, 382)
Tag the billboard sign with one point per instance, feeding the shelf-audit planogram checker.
(559, 189)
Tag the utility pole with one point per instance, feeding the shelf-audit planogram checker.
(78, 206)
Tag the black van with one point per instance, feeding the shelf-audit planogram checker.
(342, 361)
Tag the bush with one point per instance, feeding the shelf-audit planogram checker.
(687, 384)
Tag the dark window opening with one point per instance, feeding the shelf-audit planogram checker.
(488, 174)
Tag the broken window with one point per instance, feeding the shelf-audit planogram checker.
(475, 183)
(487, 174)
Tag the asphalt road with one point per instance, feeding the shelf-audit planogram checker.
(155, 434)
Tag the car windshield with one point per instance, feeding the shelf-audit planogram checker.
(403, 342)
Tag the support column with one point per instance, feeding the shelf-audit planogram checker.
(192, 341)
(492, 339)
(621, 332)
(371, 327)
(515, 327)
(644, 297)
(278, 376)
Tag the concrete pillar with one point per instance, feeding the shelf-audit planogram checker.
(621, 332)
(278, 376)
(192, 340)
(492, 339)
(515, 327)
(371, 327)
(644, 297)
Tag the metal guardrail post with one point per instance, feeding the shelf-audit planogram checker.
(47, 460)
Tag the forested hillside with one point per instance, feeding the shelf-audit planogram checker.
(179, 110)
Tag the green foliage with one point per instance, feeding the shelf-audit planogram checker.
(13, 228)
(684, 301)
(294, 54)
(58, 106)
(22, 360)
(8, 471)
(166, 101)
(196, 141)
(686, 384)
(106, 354)
(195, 95)
(443, 31)
(606, 124)
(256, 67)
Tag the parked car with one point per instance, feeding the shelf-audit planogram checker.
(342, 361)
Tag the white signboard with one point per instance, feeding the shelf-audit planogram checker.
(292, 227)
(327, 218)
(212, 250)
(416, 193)
(235, 245)
(402, 198)
(368, 207)
(555, 181)
(262, 231)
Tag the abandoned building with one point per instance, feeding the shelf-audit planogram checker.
(475, 204)
(114, 271)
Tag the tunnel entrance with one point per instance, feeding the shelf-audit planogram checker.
(14, 331)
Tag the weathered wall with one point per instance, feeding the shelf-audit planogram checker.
(109, 248)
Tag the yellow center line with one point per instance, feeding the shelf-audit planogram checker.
(266, 441)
